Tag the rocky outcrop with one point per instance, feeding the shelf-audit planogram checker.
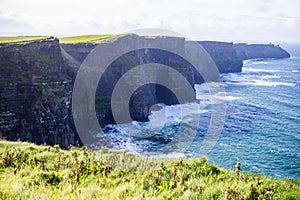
(251, 51)
(35, 93)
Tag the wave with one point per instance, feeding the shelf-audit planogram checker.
(256, 61)
(223, 96)
(267, 83)
(237, 78)
(260, 63)
(271, 76)
(260, 83)
(258, 70)
(295, 71)
(246, 61)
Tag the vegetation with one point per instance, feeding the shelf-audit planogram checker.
(8, 39)
(28, 171)
(85, 38)
(66, 40)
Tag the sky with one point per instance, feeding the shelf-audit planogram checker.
(221, 20)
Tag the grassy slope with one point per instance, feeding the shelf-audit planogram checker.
(85, 38)
(8, 39)
(28, 171)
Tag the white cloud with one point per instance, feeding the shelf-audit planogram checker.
(198, 19)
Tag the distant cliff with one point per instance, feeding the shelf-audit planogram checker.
(224, 55)
(251, 51)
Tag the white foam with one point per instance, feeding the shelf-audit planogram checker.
(267, 83)
(295, 71)
(271, 76)
(237, 78)
(229, 98)
(223, 96)
(175, 114)
(256, 82)
(260, 63)
(258, 70)
(247, 61)
(130, 146)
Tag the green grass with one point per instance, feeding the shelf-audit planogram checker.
(28, 171)
(66, 40)
(8, 39)
(85, 38)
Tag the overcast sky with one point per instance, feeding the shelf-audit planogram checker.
(232, 20)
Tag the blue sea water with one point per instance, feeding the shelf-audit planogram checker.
(262, 128)
(262, 123)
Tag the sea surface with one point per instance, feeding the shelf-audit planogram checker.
(262, 122)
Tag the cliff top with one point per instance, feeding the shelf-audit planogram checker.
(20, 39)
(85, 38)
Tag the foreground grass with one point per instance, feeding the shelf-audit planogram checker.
(8, 39)
(28, 171)
(85, 38)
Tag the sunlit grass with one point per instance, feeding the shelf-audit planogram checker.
(9, 39)
(85, 38)
(28, 171)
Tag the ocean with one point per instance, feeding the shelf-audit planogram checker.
(262, 123)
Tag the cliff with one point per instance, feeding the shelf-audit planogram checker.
(35, 93)
(37, 77)
(224, 56)
(222, 53)
(251, 51)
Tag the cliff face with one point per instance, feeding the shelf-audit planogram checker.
(224, 56)
(222, 53)
(35, 93)
(145, 96)
(251, 51)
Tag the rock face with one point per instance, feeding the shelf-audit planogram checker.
(224, 56)
(222, 53)
(35, 93)
(147, 95)
(251, 51)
